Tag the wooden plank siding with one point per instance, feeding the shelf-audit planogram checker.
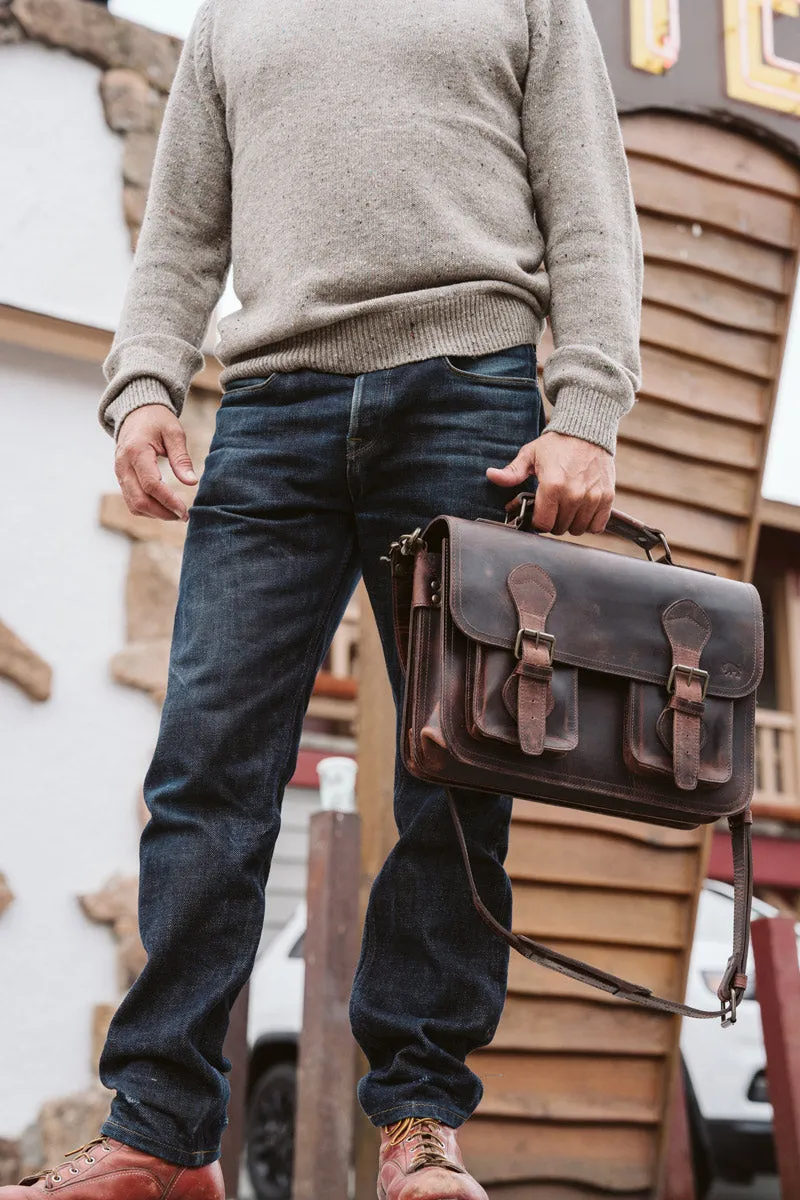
(577, 1085)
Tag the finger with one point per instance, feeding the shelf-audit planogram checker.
(600, 519)
(145, 465)
(517, 471)
(545, 508)
(568, 506)
(585, 514)
(140, 504)
(178, 454)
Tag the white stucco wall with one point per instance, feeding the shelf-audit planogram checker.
(64, 248)
(71, 767)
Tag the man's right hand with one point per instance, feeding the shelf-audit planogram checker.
(147, 434)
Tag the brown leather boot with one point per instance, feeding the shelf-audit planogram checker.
(105, 1169)
(420, 1160)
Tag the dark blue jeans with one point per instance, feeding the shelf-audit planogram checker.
(309, 478)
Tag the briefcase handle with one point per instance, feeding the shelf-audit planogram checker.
(619, 524)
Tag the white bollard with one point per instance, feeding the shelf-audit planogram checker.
(337, 784)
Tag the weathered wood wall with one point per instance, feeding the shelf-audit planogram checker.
(577, 1086)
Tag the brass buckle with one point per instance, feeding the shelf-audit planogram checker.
(540, 638)
(405, 546)
(515, 520)
(729, 1007)
(691, 674)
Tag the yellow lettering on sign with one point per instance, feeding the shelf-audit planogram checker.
(756, 72)
(655, 34)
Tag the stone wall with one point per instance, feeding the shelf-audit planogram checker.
(138, 66)
(23, 666)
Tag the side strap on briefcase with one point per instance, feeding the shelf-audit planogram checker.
(734, 981)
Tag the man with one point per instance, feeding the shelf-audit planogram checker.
(387, 179)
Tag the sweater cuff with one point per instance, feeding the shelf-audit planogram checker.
(135, 394)
(584, 413)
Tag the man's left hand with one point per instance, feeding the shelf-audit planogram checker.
(576, 483)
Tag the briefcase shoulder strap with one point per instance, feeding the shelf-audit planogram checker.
(734, 981)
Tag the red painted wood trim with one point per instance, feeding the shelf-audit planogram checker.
(775, 949)
(334, 687)
(679, 1181)
(776, 861)
(306, 772)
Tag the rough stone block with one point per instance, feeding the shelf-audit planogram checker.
(137, 159)
(10, 29)
(144, 665)
(199, 418)
(134, 200)
(69, 1122)
(117, 905)
(152, 591)
(101, 1019)
(10, 1162)
(91, 31)
(131, 104)
(23, 666)
(115, 515)
(6, 894)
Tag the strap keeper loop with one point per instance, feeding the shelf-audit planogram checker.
(538, 673)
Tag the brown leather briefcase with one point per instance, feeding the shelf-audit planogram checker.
(557, 672)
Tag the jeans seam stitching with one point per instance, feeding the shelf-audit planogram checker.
(456, 1112)
(158, 1142)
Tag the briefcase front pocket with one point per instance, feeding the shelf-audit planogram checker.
(649, 736)
(493, 700)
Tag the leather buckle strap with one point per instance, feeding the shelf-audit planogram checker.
(534, 594)
(688, 629)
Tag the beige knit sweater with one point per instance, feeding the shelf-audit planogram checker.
(387, 178)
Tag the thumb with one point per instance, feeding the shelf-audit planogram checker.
(517, 471)
(178, 455)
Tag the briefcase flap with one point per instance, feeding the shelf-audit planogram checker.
(608, 610)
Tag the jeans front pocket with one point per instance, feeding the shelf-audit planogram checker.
(251, 387)
(515, 365)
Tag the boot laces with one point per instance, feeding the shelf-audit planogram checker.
(425, 1143)
(55, 1174)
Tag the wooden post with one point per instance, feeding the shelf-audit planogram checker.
(775, 948)
(679, 1172)
(786, 602)
(326, 1077)
(375, 788)
(236, 1049)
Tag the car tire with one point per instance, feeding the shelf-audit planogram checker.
(270, 1131)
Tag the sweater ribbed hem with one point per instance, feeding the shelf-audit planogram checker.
(135, 394)
(587, 414)
(453, 323)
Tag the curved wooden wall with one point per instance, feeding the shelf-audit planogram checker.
(577, 1085)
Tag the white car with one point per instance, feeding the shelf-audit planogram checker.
(728, 1103)
(727, 1067)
